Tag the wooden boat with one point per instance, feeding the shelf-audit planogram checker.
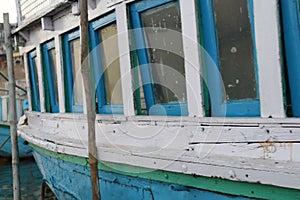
(195, 99)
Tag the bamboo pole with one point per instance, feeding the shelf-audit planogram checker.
(90, 107)
(12, 108)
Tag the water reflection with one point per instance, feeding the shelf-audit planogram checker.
(30, 179)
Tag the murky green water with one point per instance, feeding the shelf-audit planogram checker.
(30, 179)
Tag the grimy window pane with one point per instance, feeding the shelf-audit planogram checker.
(77, 78)
(235, 42)
(52, 56)
(111, 62)
(165, 52)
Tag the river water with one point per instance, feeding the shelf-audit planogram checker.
(30, 180)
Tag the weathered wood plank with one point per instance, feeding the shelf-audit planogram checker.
(40, 78)
(60, 72)
(267, 30)
(125, 66)
(192, 62)
(215, 161)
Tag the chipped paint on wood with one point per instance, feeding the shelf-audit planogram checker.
(267, 30)
(157, 145)
(241, 150)
(125, 68)
(191, 49)
(214, 184)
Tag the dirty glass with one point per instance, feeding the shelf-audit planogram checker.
(52, 56)
(165, 52)
(111, 62)
(235, 45)
(77, 78)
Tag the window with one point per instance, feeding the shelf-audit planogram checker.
(106, 62)
(34, 83)
(291, 32)
(50, 74)
(73, 78)
(228, 38)
(158, 41)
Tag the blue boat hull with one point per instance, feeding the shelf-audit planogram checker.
(5, 150)
(69, 180)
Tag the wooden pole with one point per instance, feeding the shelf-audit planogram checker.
(12, 108)
(90, 106)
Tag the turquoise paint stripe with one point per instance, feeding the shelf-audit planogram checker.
(145, 5)
(103, 21)
(72, 181)
(237, 188)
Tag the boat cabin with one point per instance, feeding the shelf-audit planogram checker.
(208, 59)
(205, 88)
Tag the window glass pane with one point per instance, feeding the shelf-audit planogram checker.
(235, 42)
(52, 56)
(77, 78)
(165, 51)
(36, 78)
(112, 75)
(35, 97)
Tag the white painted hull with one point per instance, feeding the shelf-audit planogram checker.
(251, 150)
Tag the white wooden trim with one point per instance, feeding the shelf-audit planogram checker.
(267, 29)
(285, 174)
(125, 63)
(28, 86)
(185, 121)
(40, 78)
(60, 72)
(228, 152)
(192, 62)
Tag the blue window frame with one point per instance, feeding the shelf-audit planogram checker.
(50, 74)
(229, 41)
(164, 87)
(34, 83)
(73, 80)
(291, 31)
(105, 56)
